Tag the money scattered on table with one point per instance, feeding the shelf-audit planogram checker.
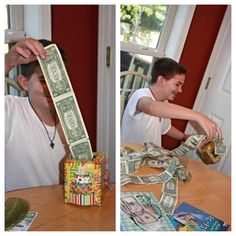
(66, 104)
(155, 156)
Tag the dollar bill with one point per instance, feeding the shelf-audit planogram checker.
(160, 163)
(220, 148)
(133, 165)
(146, 179)
(153, 150)
(151, 179)
(192, 143)
(82, 150)
(123, 167)
(183, 174)
(172, 166)
(125, 179)
(71, 120)
(25, 224)
(128, 166)
(135, 155)
(55, 72)
(168, 203)
(171, 187)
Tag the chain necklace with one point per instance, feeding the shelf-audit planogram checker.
(52, 144)
(155, 100)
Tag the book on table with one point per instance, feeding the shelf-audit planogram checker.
(189, 218)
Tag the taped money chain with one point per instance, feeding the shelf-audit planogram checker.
(66, 104)
(155, 156)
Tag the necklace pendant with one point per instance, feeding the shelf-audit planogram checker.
(52, 144)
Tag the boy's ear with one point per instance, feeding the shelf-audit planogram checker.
(160, 80)
(23, 82)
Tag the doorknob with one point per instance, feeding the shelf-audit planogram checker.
(108, 56)
(208, 82)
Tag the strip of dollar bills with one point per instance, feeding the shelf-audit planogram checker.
(66, 105)
(158, 157)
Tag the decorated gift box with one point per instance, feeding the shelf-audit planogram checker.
(84, 180)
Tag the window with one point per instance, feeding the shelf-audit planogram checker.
(14, 31)
(145, 30)
(21, 21)
(14, 23)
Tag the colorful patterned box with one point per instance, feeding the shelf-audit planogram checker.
(84, 181)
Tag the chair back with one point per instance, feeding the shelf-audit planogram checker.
(129, 82)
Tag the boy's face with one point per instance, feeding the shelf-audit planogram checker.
(38, 90)
(173, 86)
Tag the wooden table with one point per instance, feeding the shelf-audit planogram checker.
(54, 214)
(209, 189)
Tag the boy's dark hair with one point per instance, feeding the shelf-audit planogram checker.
(166, 67)
(27, 69)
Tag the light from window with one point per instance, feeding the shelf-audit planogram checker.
(6, 26)
(142, 24)
(141, 29)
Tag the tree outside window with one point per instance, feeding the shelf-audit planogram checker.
(141, 27)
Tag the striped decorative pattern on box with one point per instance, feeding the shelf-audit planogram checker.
(84, 180)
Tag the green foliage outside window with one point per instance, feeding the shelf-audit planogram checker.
(152, 18)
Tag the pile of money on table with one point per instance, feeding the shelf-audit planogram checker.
(174, 170)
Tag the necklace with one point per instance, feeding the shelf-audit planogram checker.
(155, 100)
(52, 144)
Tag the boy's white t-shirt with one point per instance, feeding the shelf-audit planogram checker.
(29, 159)
(140, 128)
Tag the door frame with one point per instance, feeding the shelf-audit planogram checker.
(106, 93)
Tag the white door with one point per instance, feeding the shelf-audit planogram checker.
(214, 97)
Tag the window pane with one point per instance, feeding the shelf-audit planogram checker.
(6, 26)
(6, 22)
(142, 24)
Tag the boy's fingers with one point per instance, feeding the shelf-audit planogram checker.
(36, 48)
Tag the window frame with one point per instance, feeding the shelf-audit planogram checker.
(163, 40)
(173, 40)
(16, 28)
(27, 21)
